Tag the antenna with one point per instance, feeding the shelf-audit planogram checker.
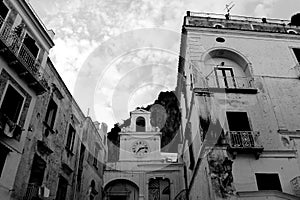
(229, 6)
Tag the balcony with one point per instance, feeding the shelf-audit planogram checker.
(243, 142)
(32, 192)
(20, 59)
(230, 84)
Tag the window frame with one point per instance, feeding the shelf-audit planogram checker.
(70, 146)
(226, 83)
(26, 32)
(9, 84)
(267, 173)
(8, 13)
(50, 127)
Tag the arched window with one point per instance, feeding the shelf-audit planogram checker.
(159, 189)
(140, 124)
(226, 68)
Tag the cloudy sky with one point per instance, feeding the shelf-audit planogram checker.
(115, 55)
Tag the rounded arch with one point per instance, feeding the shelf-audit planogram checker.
(121, 189)
(140, 124)
(231, 54)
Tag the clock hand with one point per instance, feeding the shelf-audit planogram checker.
(141, 149)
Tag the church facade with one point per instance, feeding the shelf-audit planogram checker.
(142, 171)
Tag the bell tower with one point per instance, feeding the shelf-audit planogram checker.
(140, 141)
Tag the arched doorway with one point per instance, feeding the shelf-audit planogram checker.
(121, 189)
(140, 124)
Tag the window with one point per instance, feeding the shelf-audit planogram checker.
(50, 116)
(62, 188)
(37, 170)
(3, 11)
(297, 54)
(4, 151)
(70, 138)
(95, 162)
(80, 168)
(268, 181)
(192, 157)
(225, 77)
(140, 124)
(12, 104)
(29, 42)
(238, 121)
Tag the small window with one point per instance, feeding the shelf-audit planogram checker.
(220, 39)
(12, 104)
(70, 138)
(238, 121)
(4, 151)
(62, 189)
(297, 54)
(268, 181)
(50, 116)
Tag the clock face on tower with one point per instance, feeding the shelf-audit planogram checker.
(140, 148)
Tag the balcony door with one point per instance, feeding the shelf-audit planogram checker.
(29, 42)
(225, 77)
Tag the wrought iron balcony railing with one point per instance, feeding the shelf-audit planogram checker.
(230, 82)
(243, 142)
(20, 57)
(32, 192)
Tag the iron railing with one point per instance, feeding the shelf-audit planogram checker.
(242, 139)
(237, 17)
(244, 142)
(229, 82)
(32, 192)
(12, 40)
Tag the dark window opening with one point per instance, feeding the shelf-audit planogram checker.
(4, 151)
(95, 162)
(238, 121)
(29, 42)
(80, 167)
(37, 170)
(140, 124)
(192, 157)
(62, 188)
(220, 39)
(50, 116)
(70, 138)
(12, 104)
(3, 12)
(297, 54)
(268, 181)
